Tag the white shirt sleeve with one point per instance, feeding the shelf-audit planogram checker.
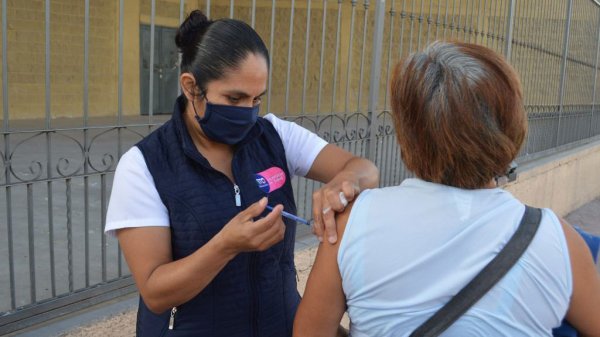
(301, 145)
(134, 200)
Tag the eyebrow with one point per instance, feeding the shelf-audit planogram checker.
(243, 94)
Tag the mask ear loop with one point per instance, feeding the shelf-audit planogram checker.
(203, 95)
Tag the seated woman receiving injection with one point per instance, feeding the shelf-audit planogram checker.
(406, 250)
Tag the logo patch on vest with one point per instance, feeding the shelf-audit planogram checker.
(270, 179)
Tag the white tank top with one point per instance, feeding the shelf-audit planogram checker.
(408, 249)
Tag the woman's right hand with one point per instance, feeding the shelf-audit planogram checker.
(243, 234)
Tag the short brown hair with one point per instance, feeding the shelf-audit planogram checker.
(458, 112)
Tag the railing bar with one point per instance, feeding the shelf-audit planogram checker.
(420, 31)
(86, 227)
(468, 29)
(8, 191)
(481, 21)
(545, 58)
(467, 25)
(120, 70)
(11, 255)
(389, 60)
(86, 144)
(69, 233)
(374, 80)
(429, 21)
(452, 24)
(485, 31)
(350, 50)
(362, 55)
(50, 213)
(321, 57)
(563, 69)
(412, 24)
(529, 78)
(535, 70)
(336, 59)
(253, 19)
(120, 80)
(402, 21)
(472, 26)
(231, 8)
(47, 55)
(31, 244)
(446, 20)
(510, 38)
(590, 133)
(437, 20)
(389, 155)
(208, 7)
(181, 18)
(151, 65)
(5, 98)
(103, 195)
(463, 27)
(306, 49)
(494, 29)
(289, 59)
(272, 52)
(86, 72)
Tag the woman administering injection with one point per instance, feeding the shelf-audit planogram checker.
(205, 255)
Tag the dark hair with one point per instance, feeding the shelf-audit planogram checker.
(458, 112)
(211, 48)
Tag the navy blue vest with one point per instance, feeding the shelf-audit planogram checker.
(255, 294)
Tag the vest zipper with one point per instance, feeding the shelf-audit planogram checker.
(252, 267)
(172, 318)
(238, 197)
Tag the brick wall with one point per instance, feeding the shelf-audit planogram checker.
(26, 58)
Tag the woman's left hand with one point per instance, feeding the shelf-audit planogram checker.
(333, 198)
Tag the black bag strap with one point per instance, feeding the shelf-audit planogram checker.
(486, 279)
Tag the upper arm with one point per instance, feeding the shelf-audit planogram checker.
(145, 249)
(324, 302)
(584, 307)
(301, 145)
(330, 161)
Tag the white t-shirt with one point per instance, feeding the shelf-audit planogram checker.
(134, 200)
(408, 249)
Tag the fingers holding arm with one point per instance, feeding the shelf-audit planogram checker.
(345, 176)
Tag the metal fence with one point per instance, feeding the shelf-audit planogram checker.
(330, 71)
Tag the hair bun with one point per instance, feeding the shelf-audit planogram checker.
(191, 31)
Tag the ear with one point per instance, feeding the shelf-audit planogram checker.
(188, 86)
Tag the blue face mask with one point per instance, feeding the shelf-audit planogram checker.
(227, 124)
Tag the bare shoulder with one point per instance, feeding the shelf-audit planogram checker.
(584, 306)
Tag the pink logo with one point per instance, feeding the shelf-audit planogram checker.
(270, 179)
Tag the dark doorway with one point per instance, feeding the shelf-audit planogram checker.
(165, 69)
